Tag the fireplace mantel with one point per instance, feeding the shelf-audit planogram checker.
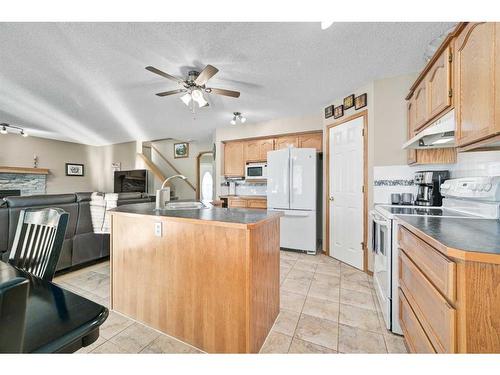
(23, 170)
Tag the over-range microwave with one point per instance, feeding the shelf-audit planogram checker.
(256, 171)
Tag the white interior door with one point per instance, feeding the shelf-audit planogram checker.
(346, 195)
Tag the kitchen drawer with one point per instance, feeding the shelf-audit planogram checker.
(415, 336)
(437, 268)
(237, 203)
(434, 313)
(257, 203)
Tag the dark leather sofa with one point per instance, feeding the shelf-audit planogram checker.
(81, 244)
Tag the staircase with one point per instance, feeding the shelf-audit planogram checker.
(157, 171)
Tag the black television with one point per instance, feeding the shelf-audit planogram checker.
(135, 181)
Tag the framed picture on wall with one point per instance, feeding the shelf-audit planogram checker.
(73, 169)
(181, 150)
(329, 111)
(348, 102)
(338, 111)
(360, 101)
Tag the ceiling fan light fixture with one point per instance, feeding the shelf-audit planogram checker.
(198, 97)
(242, 119)
(186, 98)
(233, 121)
(23, 133)
(4, 130)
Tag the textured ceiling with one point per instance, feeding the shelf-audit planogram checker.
(86, 82)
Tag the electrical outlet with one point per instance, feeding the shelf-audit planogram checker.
(158, 229)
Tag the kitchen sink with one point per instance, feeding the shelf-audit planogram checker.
(184, 205)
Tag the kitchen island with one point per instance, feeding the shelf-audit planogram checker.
(209, 277)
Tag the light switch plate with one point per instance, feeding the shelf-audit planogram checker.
(158, 229)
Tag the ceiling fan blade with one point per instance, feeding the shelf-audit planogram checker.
(205, 75)
(234, 94)
(171, 92)
(165, 75)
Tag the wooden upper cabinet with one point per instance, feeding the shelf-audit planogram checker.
(412, 153)
(477, 75)
(311, 140)
(256, 150)
(252, 150)
(420, 104)
(286, 141)
(265, 146)
(439, 84)
(234, 159)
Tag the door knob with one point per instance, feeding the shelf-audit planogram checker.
(331, 199)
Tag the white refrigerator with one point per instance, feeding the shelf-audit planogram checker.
(291, 189)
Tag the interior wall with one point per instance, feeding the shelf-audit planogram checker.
(390, 119)
(268, 128)
(386, 108)
(123, 153)
(187, 166)
(17, 151)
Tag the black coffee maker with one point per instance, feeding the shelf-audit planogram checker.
(428, 184)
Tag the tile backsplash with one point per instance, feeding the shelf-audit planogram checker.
(399, 178)
(245, 188)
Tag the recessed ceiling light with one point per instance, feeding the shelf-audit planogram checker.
(326, 24)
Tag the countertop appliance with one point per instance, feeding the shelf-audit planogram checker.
(255, 171)
(428, 187)
(471, 198)
(292, 189)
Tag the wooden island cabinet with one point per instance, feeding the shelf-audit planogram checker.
(208, 277)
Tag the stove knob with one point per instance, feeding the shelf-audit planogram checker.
(473, 187)
(487, 187)
(480, 187)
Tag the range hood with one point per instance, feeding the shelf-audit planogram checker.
(440, 134)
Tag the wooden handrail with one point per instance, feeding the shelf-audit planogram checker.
(152, 166)
(171, 166)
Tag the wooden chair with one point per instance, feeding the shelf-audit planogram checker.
(38, 241)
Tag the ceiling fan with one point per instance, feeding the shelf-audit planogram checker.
(194, 86)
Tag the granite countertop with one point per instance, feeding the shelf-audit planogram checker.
(246, 216)
(245, 196)
(469, 235)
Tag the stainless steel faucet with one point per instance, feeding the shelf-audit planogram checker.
(163, 194)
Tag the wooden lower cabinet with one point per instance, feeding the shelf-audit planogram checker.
(416, 339)
(243, 202)
(446, 304)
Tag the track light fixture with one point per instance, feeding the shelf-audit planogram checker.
(237, 116)
(5, 128)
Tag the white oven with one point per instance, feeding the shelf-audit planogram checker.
(382, 244)
(256, 171)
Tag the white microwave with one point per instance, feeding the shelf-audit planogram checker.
(256, 171)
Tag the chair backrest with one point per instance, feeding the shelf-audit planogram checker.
(13, 301)
(38, 241)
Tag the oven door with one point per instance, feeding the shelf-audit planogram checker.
(382, 249)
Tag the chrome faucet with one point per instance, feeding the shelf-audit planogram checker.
(163, 194)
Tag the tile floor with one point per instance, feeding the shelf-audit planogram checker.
(326, 307)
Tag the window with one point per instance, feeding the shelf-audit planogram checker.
(207, 187)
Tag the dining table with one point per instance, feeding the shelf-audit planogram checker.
(56, 320)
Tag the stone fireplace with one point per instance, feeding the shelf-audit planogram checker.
(29, 181)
